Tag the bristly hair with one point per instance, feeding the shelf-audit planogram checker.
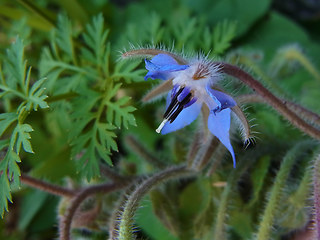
(152, 50)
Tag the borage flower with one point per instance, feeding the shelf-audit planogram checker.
(192, 90)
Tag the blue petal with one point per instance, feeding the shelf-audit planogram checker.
(163, 59)
(222, 100)
(157, 75)
(219, 125)
(187, 116)
(161, 66)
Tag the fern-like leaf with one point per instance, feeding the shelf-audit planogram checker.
(6, 119)
(5, 195)
(92, 146)
(15, 65)
(96, 38)
(118, 112)
(21, 138)
(223, 34)
(126, 70)
(64, 35)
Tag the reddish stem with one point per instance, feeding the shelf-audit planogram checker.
(66, 221)
(46, 187)
(271, 99)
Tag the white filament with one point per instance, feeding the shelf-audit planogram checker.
(158, 130)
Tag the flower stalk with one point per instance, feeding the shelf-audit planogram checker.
(271, 99)
(47, 187)
(126, 214)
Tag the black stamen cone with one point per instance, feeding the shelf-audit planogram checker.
(180, 107)
(173, 104)
(175, 107)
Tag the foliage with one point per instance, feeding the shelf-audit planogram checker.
(72, 123)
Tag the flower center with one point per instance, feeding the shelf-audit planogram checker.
(202, 71)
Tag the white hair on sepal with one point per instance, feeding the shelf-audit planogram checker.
(152, 46)
(245, 127)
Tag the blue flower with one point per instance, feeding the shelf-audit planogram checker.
(192, 90)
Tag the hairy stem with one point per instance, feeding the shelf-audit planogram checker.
(66, 221)
(218, 157)
(303, 112)
(316, 196)
(194, 148)
(149, 52)
(221, 218)
(125, 231)
(269, 215)
(271, 99)
(205, 154)
(248, 62)
(47, 187)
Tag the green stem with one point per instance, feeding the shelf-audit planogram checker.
(316, 196)
(269, 215)
(38, 11)
(297, 55)
(125, 231)
(15, 92)
(220, 225)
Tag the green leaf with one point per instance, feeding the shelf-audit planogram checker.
(223, 34)
(120, 114)
(21, 137)
(6, 119)
(245, 12)
(64, 35)
(36, 97)
(126, 70)
(117, 111)
(165, 210)
(5, 195)
(93, 145)
(151, 224)
(49, 63)
(75, 10)
(96, 38)
(30, 206)
(15, 65)
(88, 163)
(275, 32)
(106, 136)
(8, 165)
(14, 170)
(4, 143)
(198, 191)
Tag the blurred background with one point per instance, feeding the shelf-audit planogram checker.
(277, 41)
